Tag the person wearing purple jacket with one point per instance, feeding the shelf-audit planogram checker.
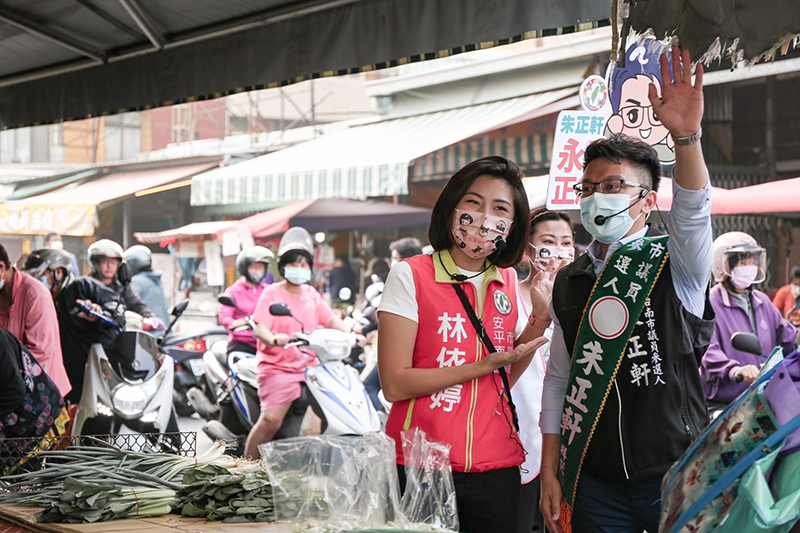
(252, 264)
(739, 263)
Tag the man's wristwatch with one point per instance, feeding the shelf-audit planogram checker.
(691, 139)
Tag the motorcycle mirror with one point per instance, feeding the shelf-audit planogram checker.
(180, 308)
(279, 309)
(226, 300)
(746, 342)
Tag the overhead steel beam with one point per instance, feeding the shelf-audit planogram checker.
(57, 37)
(143, 21)
(108, 17)
(262, 18)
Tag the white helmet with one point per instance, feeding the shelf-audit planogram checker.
(100, 249)
(733, 247)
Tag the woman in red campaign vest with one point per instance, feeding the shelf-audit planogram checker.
(440, 374)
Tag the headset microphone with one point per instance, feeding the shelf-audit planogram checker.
(601, 219)
(500, 246)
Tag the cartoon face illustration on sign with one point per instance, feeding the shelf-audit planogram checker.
(632, 113)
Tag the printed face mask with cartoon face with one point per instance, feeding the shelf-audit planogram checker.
(547, 258)
(476, 233)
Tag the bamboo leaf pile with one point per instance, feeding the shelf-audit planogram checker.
(213, 492)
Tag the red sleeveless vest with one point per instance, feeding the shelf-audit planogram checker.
(472, 417)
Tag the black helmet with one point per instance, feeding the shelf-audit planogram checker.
(139, 259)
(100, 249)
(248, 256)
(47, 259)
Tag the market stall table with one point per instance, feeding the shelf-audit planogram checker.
(24, 516)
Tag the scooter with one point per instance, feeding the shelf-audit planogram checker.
(187, 350)
(332, 389)
(744, 342)
(129, 383)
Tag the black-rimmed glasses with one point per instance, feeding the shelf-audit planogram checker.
(609, 186)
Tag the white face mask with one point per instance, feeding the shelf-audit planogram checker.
(742, 276)
(297, 275)
(57, 245)
(614, 207)
(256, 276)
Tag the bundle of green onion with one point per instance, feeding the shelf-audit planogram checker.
(92, 502)
(214, 492)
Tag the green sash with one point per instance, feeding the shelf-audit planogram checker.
(614, 306)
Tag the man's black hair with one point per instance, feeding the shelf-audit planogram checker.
(50, 236)
(637, 153)
(796, 272)
(406, 247)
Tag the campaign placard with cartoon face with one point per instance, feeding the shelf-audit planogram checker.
(632, 114)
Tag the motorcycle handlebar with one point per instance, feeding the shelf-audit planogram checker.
(738, 378)
(100, 316)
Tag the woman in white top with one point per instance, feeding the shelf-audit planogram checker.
(552, 245)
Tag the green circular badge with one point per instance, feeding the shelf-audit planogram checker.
(502, 302)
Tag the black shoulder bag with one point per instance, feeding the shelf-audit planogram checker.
(478, 325)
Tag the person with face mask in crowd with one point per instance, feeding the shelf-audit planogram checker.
(740, 263)
(281, 370)
(251, 264)
(623, 399)
(54, 240)
(78, 330)
(787, 299)
(28, 313)
(552, 246)
(443, 371)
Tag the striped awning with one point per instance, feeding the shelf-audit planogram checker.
(360, 162)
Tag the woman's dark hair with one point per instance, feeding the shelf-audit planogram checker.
(542, 214)
(290, 257)
(796, 272)
(637, 153)
(440, 229)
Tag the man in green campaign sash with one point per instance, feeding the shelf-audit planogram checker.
(622, 395)
(618, 297)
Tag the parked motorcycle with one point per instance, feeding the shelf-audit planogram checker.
(332, 389)
(187, 350)
(128, 383)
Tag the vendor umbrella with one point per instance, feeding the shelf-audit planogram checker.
(780, 197)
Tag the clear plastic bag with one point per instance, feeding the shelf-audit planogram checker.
(430, 496)
(346, 482)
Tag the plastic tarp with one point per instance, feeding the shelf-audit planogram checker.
(65, 59)
(749, 28)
